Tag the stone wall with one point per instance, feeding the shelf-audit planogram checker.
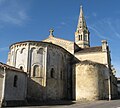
(18, 56)
(99, 57)
(1, 84)
(35, 90)
(57, 84)
(90, 81)
(15, 85)
(118, 84)
(49, 80)
(37, 71)
(114, 88)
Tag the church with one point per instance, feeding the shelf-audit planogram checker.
(58, 69)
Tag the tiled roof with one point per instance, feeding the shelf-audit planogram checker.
(89, 62)
(90, 49)
(2, 65)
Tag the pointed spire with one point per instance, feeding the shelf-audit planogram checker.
(82, 33)
(81, 20)
(81, 11)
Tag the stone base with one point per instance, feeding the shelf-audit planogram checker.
(14, 103)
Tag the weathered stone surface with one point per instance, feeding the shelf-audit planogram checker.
(13, 84)
(90, 81)
(62, 69)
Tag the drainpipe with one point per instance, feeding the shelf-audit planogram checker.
(3, 89)
(109, 85)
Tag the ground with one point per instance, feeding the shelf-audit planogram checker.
(96, 104)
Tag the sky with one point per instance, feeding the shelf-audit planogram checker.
(22, 20)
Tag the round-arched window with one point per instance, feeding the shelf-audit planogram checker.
(21, 68)
(36, 71)
(52, 73)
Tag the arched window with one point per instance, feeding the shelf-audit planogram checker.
(52, 73)
(61, 75)
(15, 81)
(36, 71)
(40, 51)
(21, 68)
(80, 37)
(22, 51)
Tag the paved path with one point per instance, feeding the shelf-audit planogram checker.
(96, 104)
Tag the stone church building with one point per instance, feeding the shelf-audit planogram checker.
(56, 69)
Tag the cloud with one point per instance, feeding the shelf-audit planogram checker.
(12, 12)
(4, 49)
(107, 26)
(113, 28)
(94, 14)
(63, 23)
(17, 18)
(97, 32)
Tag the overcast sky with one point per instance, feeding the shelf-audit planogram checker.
(31, 20)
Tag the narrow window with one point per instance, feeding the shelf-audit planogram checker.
(61, 75)
(40, 51)
(21, 67)
(52, 73)
(36, 71)
(85, 38)
(15, 81)
(40, 56)
(79, 37)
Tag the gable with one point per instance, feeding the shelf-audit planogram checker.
(68, 45)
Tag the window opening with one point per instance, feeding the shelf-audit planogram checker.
(36, 71)
(52, 73)
(21, 68)
(15, 81)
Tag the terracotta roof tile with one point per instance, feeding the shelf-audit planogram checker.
(2, 65)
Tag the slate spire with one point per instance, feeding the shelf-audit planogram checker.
(82, 33)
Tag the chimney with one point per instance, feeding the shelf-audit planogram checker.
(104, 45)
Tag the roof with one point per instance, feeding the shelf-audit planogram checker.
(2, 65)
(58, 39)
(39, 42)
(89, 62)
(24, 42)
(90, 49)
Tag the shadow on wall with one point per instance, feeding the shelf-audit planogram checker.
(50, 103)
(35, 90)
(36, 93)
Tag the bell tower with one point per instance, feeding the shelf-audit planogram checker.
(82, 32)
